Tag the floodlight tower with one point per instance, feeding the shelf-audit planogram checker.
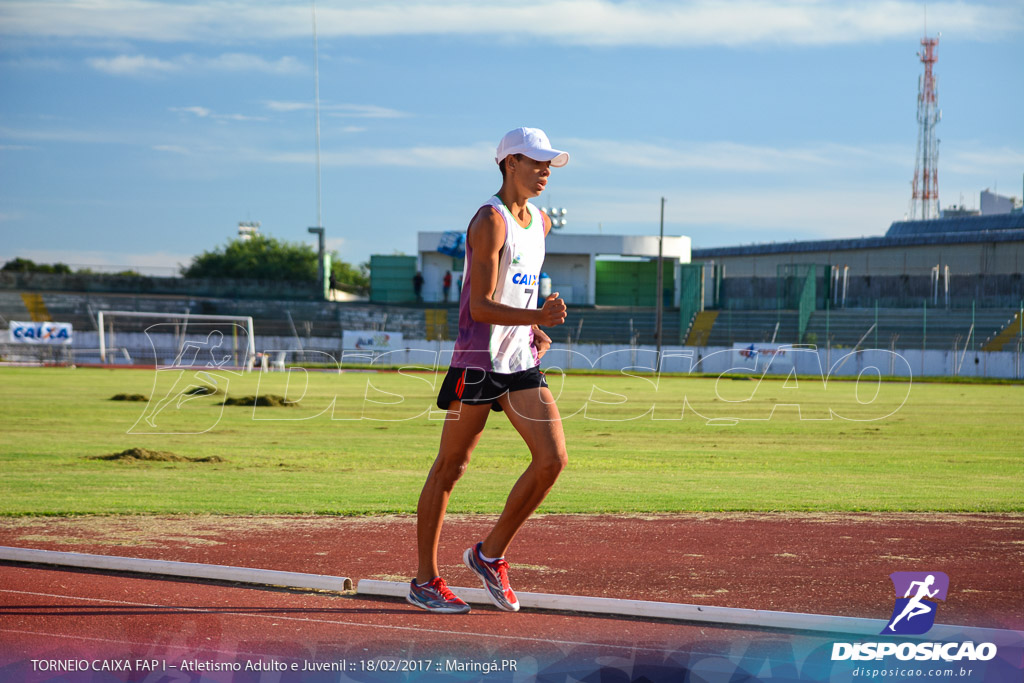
(557, 216)
(924, 203)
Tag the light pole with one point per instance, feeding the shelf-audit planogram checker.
(319, 232)
(660, 300)
(319, 229)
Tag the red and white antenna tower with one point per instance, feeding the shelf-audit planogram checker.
(925, 201)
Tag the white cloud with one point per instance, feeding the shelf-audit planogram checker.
(236, 61)
(288, 106)
(361, 111)
(468, 157)
(239, 117)
(976, 160)
(141, 65)
(132, 65)
(716, 217)
(721, 156)
(580, 22)
(714, 156)
(725, 155)
(173, 149)
(203, 113)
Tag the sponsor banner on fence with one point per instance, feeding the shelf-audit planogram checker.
(758, 357)
(371, 341)
(39, 333)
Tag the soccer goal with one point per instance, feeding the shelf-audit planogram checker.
(186, 333)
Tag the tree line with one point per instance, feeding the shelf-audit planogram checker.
(259, 257)
(24, 265)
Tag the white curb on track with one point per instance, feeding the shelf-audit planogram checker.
(189, 570)
(714, 615)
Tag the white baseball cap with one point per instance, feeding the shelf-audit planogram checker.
(533, 143)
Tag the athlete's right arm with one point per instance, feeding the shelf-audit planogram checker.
(486, 237)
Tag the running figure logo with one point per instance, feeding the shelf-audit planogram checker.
(914, 612)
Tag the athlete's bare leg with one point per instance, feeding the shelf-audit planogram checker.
(463, 426)
(535, 416)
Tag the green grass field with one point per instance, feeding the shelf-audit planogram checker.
(361, 443)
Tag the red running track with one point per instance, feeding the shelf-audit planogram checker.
(835, 564)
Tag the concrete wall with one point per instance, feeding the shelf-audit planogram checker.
(433, 266)
(993, 204)
(806, 361)
(321, 317)
(570, 276)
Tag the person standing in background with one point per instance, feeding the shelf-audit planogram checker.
(417, 286)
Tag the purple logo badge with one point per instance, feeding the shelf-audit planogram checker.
(916, 596)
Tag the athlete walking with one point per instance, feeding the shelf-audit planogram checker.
(495, 367)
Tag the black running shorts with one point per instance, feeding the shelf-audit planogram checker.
(474, 386)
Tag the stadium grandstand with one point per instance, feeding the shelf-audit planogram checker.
(924, 284)
(949, 284)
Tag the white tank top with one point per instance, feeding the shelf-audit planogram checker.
(504, 348)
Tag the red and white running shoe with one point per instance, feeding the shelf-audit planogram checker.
(435, 596)
(494, 576)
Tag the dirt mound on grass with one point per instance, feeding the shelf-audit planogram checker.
(129, 397)
(263, 400)
(144, 454)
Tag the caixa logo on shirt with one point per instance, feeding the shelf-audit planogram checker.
(524, 279)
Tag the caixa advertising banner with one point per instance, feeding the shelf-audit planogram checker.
(40, 333)
(371, 341)
(758, 357)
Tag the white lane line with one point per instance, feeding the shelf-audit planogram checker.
(337, 622)
(646, 609)
(136, 644)
(826, 624)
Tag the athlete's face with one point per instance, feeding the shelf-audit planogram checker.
(530, 174)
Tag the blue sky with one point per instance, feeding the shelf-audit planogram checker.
(139, 132)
